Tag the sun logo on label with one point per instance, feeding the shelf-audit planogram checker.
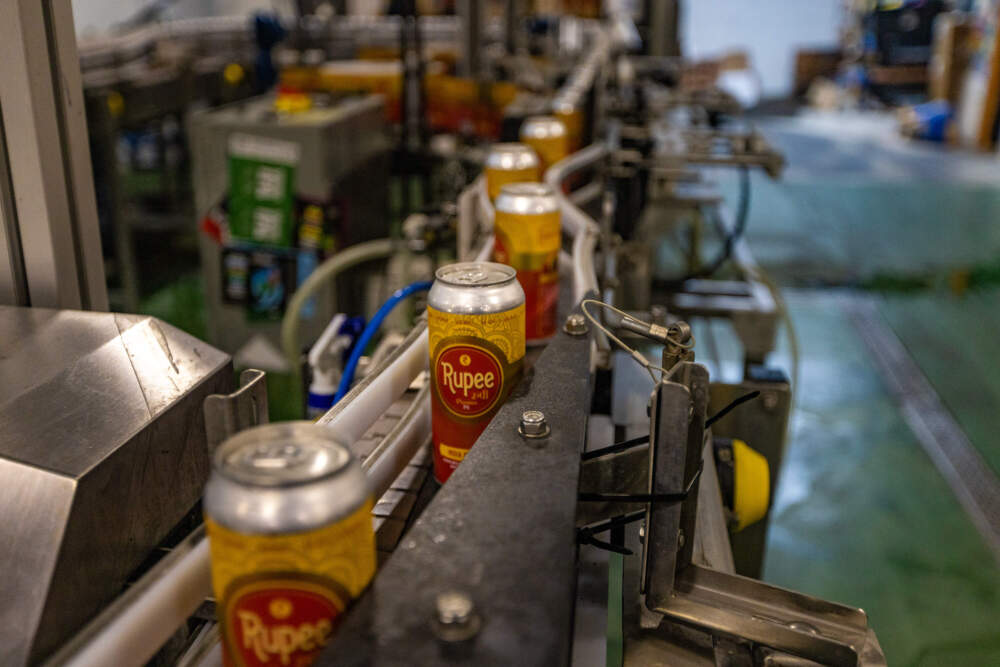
(465, 360)
(280, 608)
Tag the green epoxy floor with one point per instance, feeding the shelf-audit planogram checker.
(862, 515)
(954, 340)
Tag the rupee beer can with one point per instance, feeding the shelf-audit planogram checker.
(527, 237)
(475, 327)
(570, 115)
(548, 136)
(288, 515)
(510, 163)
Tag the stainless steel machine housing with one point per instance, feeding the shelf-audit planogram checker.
(103, 453)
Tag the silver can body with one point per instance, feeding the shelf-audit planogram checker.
(511, 157)
(285, 477)
(527, 199)
(542, 127)
(472, 288)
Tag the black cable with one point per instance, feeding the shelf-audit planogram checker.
(742, 215)
(729, 408)
(664, 498)
(586, 534)
(617, 447)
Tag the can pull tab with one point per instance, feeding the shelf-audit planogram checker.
(228, 414)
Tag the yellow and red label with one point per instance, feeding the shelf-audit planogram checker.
(497, 178)
(279, 598)
(475, 361)
(530, 244)
(550, 149)
(573, 120)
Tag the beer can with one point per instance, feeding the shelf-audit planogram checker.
(548, 136)
(570, 115)
(510, 163)
(526, 229)
(475, 328)
(288, 516)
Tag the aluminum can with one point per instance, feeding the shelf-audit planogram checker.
(548, 136)
(475, 327)
(571, 117)
(288, 515)
(526, 229)
(510, 163)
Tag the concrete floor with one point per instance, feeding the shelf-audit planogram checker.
(863, 516)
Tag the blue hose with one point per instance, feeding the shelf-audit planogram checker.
(373, 326)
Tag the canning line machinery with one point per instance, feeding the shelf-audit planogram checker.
(610, 540)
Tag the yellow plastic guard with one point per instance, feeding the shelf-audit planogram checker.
(292, 102)
(751, 484)
(233, 74)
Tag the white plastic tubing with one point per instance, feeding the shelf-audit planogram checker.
(580, 226)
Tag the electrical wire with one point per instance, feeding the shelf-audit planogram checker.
(742, 215)
(370, 330)
(635, 354)
(321, 275)
(732, 405)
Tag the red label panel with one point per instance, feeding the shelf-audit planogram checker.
(469, 380)
(283, 623)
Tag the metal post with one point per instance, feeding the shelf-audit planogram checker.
(663, 25)
(51, 207)
(677, 429)
(470, 26)
(13, 282)
(510, 15)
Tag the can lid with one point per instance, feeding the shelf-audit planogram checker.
(285, 454)
(527, 199)
(509, 156)
(475, 274)
(542, 127)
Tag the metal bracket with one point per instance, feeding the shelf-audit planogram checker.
(226, 415)
(740, 608)
(677, 428)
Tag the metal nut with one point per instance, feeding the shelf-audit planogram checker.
(533, 425)
(680, 330)
(576, 325)
(454, 608)
(455, 617)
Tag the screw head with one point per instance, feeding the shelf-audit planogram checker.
(453, 608)
(770, 401)
(455, 618)
(533, 424)
(576, 325)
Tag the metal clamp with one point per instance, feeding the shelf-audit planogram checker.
(226, 415)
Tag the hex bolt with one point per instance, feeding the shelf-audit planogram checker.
(455, 617)
(576, 325)
(454, 608)
(533, 425)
